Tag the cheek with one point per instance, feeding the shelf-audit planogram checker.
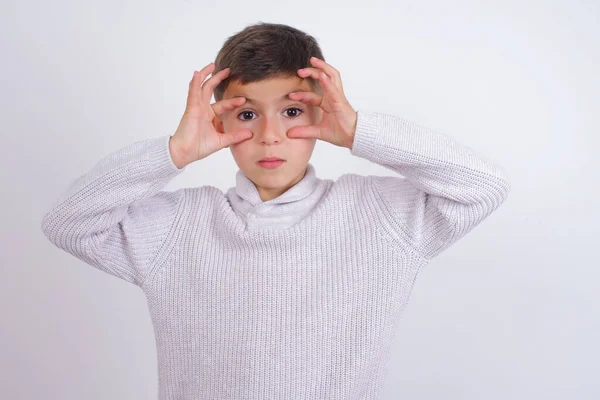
(304, 147)
(313, 114)
(231, 122)
(306, 118)
(241, 150)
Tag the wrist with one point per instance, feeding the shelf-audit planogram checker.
(350, 140)
(178, 155)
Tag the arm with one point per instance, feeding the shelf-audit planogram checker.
(448, 190)
(114, 217)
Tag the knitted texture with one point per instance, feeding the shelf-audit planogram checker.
(297, 297)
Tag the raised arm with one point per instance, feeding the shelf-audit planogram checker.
(115, 217)
(446, 190)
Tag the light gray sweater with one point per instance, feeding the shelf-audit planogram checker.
(297, 297)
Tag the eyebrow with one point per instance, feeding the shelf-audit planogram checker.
(254, 101)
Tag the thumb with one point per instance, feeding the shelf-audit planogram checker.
(234, 137)
(304, 132)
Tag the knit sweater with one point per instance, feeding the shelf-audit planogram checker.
(297, 297)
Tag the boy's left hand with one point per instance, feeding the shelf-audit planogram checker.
(339, 118)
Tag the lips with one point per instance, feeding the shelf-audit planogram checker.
(271, 164)
(272, 159)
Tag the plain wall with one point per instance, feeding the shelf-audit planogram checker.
(508, 312)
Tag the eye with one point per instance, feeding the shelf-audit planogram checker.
(245, 112)
(297, 112)
(294, 108)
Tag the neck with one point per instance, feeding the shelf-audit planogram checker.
(281, 211)
(267, 194)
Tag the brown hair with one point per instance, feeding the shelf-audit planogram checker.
(265, 50)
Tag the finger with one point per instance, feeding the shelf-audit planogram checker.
(329, 70)
(195, 102)
(227, 104)
(310, 72)
(200, 76)
(311, 98)
(195, 86)
(193, 80)
(193, 90)
(305, 132)
(314, 74)
(209, 86)
(229, 138)
(333, 91)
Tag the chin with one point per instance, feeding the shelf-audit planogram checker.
(272, 179)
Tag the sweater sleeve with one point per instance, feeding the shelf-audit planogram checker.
(115, 217)
(446, 189)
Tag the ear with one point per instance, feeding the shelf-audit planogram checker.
(218, 124)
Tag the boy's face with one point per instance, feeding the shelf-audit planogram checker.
(269, 113)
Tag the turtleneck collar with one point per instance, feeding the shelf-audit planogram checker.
(282, 211)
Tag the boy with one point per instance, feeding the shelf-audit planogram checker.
(287, 286)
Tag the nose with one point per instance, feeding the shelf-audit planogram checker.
(271, 130)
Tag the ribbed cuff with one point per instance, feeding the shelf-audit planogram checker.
(159, 156)
(364, 144)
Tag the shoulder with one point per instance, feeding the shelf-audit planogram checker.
(352, 182)
(203, 195)
(352, 188)
(378, 193)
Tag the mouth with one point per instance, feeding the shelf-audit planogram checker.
(270, 159)
(270, 162)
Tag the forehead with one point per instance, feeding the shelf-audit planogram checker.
(270, 90)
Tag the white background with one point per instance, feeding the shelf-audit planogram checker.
(509, 312)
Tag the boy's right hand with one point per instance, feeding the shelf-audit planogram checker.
(196, 136)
